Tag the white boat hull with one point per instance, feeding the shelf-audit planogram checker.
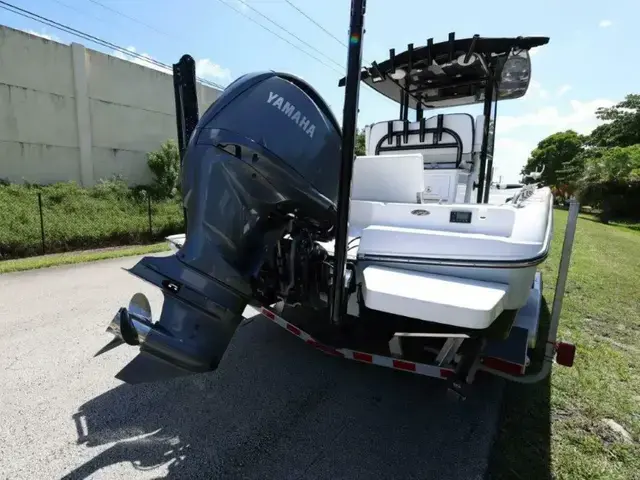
(459, 278)
(444, 272)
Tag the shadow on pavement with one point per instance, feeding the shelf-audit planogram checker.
(522, 448)
(277, 409)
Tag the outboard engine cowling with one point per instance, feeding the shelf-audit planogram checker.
(262, 163)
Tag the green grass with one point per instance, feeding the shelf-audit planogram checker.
(554, 429)
(57, 259)
(79, 219)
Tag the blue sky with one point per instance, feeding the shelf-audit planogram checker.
(589, 61)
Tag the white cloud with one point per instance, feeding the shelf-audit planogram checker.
(144, 61)
(44, 35)
(564, 89)
(212, 71)
(205, 68)
(536, 90)
(605, 23)
(510, 155)
(580, 118)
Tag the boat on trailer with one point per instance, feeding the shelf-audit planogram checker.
(399, 257)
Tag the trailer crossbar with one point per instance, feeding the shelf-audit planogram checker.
(363, 357)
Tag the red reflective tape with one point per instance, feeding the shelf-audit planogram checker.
(269, 314)
(324, 348)
(503, 366)
(446, 373)
(363, 357)
(402, 365)
(329, 350)
(292, 329)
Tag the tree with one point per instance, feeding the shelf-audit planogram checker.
(556, 154)
(617, 164)
(623, 127)
(572, 171)
(360, 143)
(611, 182)
(603, 168)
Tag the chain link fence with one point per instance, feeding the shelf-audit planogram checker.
(52, 220)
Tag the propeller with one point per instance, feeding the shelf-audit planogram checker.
(122, 326)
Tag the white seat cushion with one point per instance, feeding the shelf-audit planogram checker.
(461, 123)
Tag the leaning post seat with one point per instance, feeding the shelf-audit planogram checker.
(445, 140)
(449, 144)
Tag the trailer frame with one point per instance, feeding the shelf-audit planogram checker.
(560, 352)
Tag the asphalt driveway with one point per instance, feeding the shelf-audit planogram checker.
(274, 409)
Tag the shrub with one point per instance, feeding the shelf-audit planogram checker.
(615, 199)
(114, 187)
(76, 218)
(165, 166)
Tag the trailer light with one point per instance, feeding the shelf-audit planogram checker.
(565, 354)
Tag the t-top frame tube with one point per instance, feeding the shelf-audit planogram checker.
(489, 92)
(349, 123)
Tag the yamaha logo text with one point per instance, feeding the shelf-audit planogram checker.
(290, 111)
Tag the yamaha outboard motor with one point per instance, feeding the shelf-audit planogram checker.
(259, 183)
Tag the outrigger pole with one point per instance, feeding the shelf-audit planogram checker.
(186, 100)
(349, 122)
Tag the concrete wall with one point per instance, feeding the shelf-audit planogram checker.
(70, 113)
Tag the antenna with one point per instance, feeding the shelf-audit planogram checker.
(349, 120)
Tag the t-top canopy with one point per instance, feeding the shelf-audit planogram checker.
(454, 72)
